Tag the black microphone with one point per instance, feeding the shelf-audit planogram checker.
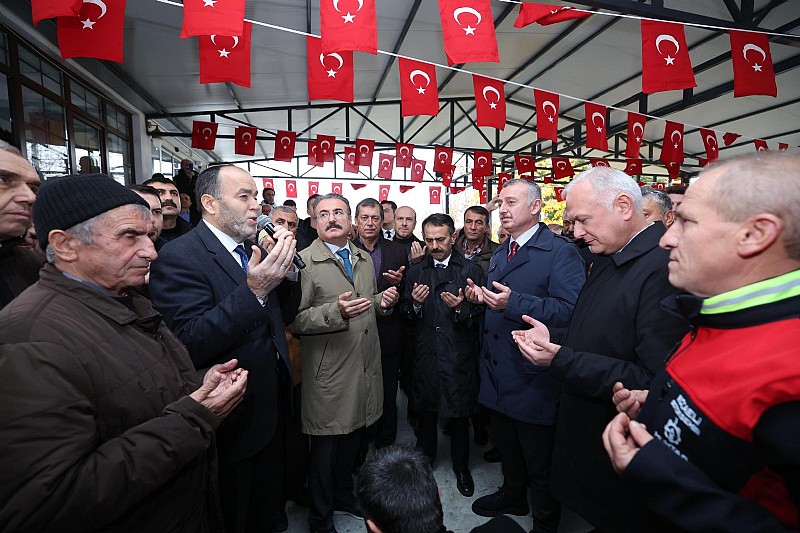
(264, 222)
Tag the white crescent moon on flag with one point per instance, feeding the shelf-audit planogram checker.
(484, 160)
(336, 5)
(666, 37)
(313, 189)
(333, 55)
(290, 187)
(435, 193)
(711, 140)
(325, 145)
(287, 143)
(461, 10)
(404, 151)
(337, 190)
(384, 190)
(640, 126)
(525, 160)
(762, 148)
(351, 158)
(548, 103)
(603, 164)
(561, 164)
(364, 149)
(672, 137)
(100, 4)
(442, 156)
(758, 49)
(385, 164)
(248, 135)
(491, 89)
(314, 149)
(204, 130)
(422, 73)
(418, 168)
(600, 115)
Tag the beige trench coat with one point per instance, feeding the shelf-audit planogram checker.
(342, 388)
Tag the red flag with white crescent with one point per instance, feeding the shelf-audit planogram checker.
(313, 159)
(660, 185)
(478, 182)
(502, 178)
(761, 145)
(291, 189)
(524, 163)
(599, 162)
(783, 146)
(596, 136)
(406, 188)
(48, 9)
(385, 166)
(436, 194)
(730, 138)
(672, 149)
(562, 168)
(545, 14)
(326, 146)
(96, 31)
(204, 134)
(245, 143)
(330, 76)
(350, 165)
(490, 102)
(284, 145)
(559, 194)
(710, 143)
(267, 183)
(348, 25)
(404, 155)
(364, 151)
(417, 170)
(447, 175)
(483, 164)
(313, 188)
(666, 65)
(357, 186)
(546, 115)
(546, 180)
(468, 31)
(635, 134)
(336, 187)
(419, 92)
(484, 196)
(226, 59)
(456, 190)
(383, 193)
(442, 159)
(673, 169)
(202, 17)
(633, 167)
(753, 72)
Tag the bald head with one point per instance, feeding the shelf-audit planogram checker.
(405, 220)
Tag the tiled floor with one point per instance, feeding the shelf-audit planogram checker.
(458, 515)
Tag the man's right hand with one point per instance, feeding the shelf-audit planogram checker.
(264, 275)
(473, 293)
(223, 388)
(628, 401)
(419, 294)
(352, 308)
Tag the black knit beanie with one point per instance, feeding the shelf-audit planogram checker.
(63, 202)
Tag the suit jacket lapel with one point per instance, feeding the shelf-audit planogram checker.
(222, 256)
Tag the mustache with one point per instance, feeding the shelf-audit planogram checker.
(168, 203)
(333, 225)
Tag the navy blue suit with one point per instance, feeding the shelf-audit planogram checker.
(202, 292)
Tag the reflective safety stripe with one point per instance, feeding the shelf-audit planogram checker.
(764, 292)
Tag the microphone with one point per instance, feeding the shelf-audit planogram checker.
(264, 222)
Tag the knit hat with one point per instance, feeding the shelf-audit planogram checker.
(63, 202)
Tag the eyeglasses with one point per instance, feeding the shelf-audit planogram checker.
(337, 213)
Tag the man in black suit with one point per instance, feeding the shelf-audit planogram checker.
(223, 297)
(390, 261)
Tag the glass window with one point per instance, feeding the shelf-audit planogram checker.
(34, 68)
(119, 159)
(6, 130)
(87, 148)
(116, 119)
(45, 134)
(3, 48)
(85, 99)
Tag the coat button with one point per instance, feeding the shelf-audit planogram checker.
(438, 329)
(366, 332)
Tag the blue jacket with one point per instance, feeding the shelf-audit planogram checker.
(545, 277)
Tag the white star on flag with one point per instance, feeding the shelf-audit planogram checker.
(757, 67)
(209, 3)
(223, 53)
(670, 60)
(88, 23)
(493, 105)
(421, 90)
(348, 18)
(469, 30)
(331, 73)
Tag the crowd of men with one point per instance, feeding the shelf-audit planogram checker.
(637, 366)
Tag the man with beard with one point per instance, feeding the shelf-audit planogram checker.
(223, 295)
(174, 226)
(405, 220)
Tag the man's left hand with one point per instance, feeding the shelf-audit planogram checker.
(497, 301)
(394, 277)
(622, 439)
(389, 297)
(535, 343)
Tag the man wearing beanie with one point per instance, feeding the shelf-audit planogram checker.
(104, 423)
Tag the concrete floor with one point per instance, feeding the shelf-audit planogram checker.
(458, 515)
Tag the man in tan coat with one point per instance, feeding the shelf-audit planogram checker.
(342, 388)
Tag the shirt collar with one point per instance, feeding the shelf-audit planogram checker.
(523, 239)
(446, 261)
(333, 248)
(97, 288)
(227, 241)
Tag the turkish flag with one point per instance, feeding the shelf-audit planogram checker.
(406, 188)
(546, 115)
(284, 145)
(478, 182)
(246, 140)
(447, 176)
(350, 164)
(364, 150)
(783, 146)
(703, 161)
(490, 102)
(761, 145)
(326, 146)
(222, 17)
(224, 59)
(546, 179)
(95, 32)
(660, 186)
(436, 195)
(456, 190)
(419, 92)
(710, 143)
(562, 168)
(383, 193)
(405, 153)
(417, 170)
(313, 161)
(633, 167)
(545, 14)
(596, 136)
(730, 138)
(313, 188)
(666, 64)
(204, 135)
(330, 76)
(524, 163)
(348, 25)
(599, 162)
(484, 196)
(753, 72)
(502, 178)
(48, 9)
(267, 183)
(357, 186)
(483, 164)
(559, 193)
(291, 189)
(635, 134)
(336, 187)
(468, 31)
(673, 169)
(385, 166)
(672, 149)
(442, 159)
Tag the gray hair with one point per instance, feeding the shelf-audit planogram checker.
(778, 191)
(5, 147)
(209, 182)
(333, 196)
(609, 183)
(532, 191)
(283, 209)
(661, 198)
